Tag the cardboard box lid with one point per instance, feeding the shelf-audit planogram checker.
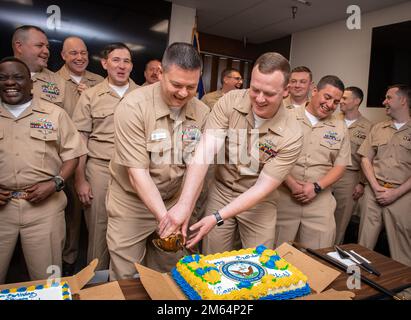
(319, 275)
(76, 282)
(107, 291)
(161, 286)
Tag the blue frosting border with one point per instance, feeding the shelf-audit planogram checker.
(193, 295)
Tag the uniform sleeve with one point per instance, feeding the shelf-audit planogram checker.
(130, 137)
(218, 119)
(344, 155)
(280, 166)
(82, 113)
(71, 143)
(366, 149)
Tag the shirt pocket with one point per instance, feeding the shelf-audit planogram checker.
(405, 152)
(159, 152)
(44, 145)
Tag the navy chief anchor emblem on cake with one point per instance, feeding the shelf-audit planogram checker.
(243, 271)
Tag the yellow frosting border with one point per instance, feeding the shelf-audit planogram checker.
(257, 291)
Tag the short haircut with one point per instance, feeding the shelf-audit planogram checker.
(14, 59)
(332, 81)
(21, 32)
(158, 60)
(113, 46)
(357, 92)
(183, 55)
(404, 91)
(226, 72)
(303, 69)
(272, 61)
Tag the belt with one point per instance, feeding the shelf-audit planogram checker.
(387, 185)
(19, 194)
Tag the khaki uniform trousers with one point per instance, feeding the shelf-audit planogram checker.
(130, 225)
(42, 230)
(342, 191)
(255, 226)
(98, 175)
(395, 217)
(313, 224)
(73, 223)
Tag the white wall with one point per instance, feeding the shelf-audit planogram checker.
(333, 49)
(181, 24)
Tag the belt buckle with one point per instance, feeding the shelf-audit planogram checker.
(19, 194)
(388, 185)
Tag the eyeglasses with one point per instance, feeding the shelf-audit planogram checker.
(236, 78)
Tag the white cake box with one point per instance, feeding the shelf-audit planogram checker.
(75, 282)
(161, 286)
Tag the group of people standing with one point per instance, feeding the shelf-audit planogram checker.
(242, 167)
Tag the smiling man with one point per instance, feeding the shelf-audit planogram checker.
(156, 130)
(306, 206)
(39, 149)
(152, 72)
(30, 44)
(94, 118)
(300, 85)
(386, 161)
(261, 142)
(76, 79)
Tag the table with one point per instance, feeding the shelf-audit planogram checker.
(394, 276)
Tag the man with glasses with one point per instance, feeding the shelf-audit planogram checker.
(230, 79)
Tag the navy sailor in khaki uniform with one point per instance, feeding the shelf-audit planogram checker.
(39, 149)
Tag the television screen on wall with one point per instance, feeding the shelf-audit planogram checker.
(390, 60)
(142, 25)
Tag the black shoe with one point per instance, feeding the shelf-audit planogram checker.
(68, 269)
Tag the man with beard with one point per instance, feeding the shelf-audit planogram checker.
(350, 187)
(306, 206)
(39, 149)
(230, 79)
(386, 162)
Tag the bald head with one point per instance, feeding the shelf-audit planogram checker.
(75, 55)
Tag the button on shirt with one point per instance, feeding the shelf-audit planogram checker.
(273, 148)
(94, 114)
(34, 145)
(149, 136)
(390, 150)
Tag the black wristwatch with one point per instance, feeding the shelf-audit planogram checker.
(217, 216)
(317, 188)
(59, 181)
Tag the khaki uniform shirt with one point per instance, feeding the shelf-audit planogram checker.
(211, 98)
(326, 145)
(273, 148)
(390, 151)
(148, 136)
(34, 145)
(49, 86)
(288, 104)
(94, 114)
(71, 93)
(358, 132)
